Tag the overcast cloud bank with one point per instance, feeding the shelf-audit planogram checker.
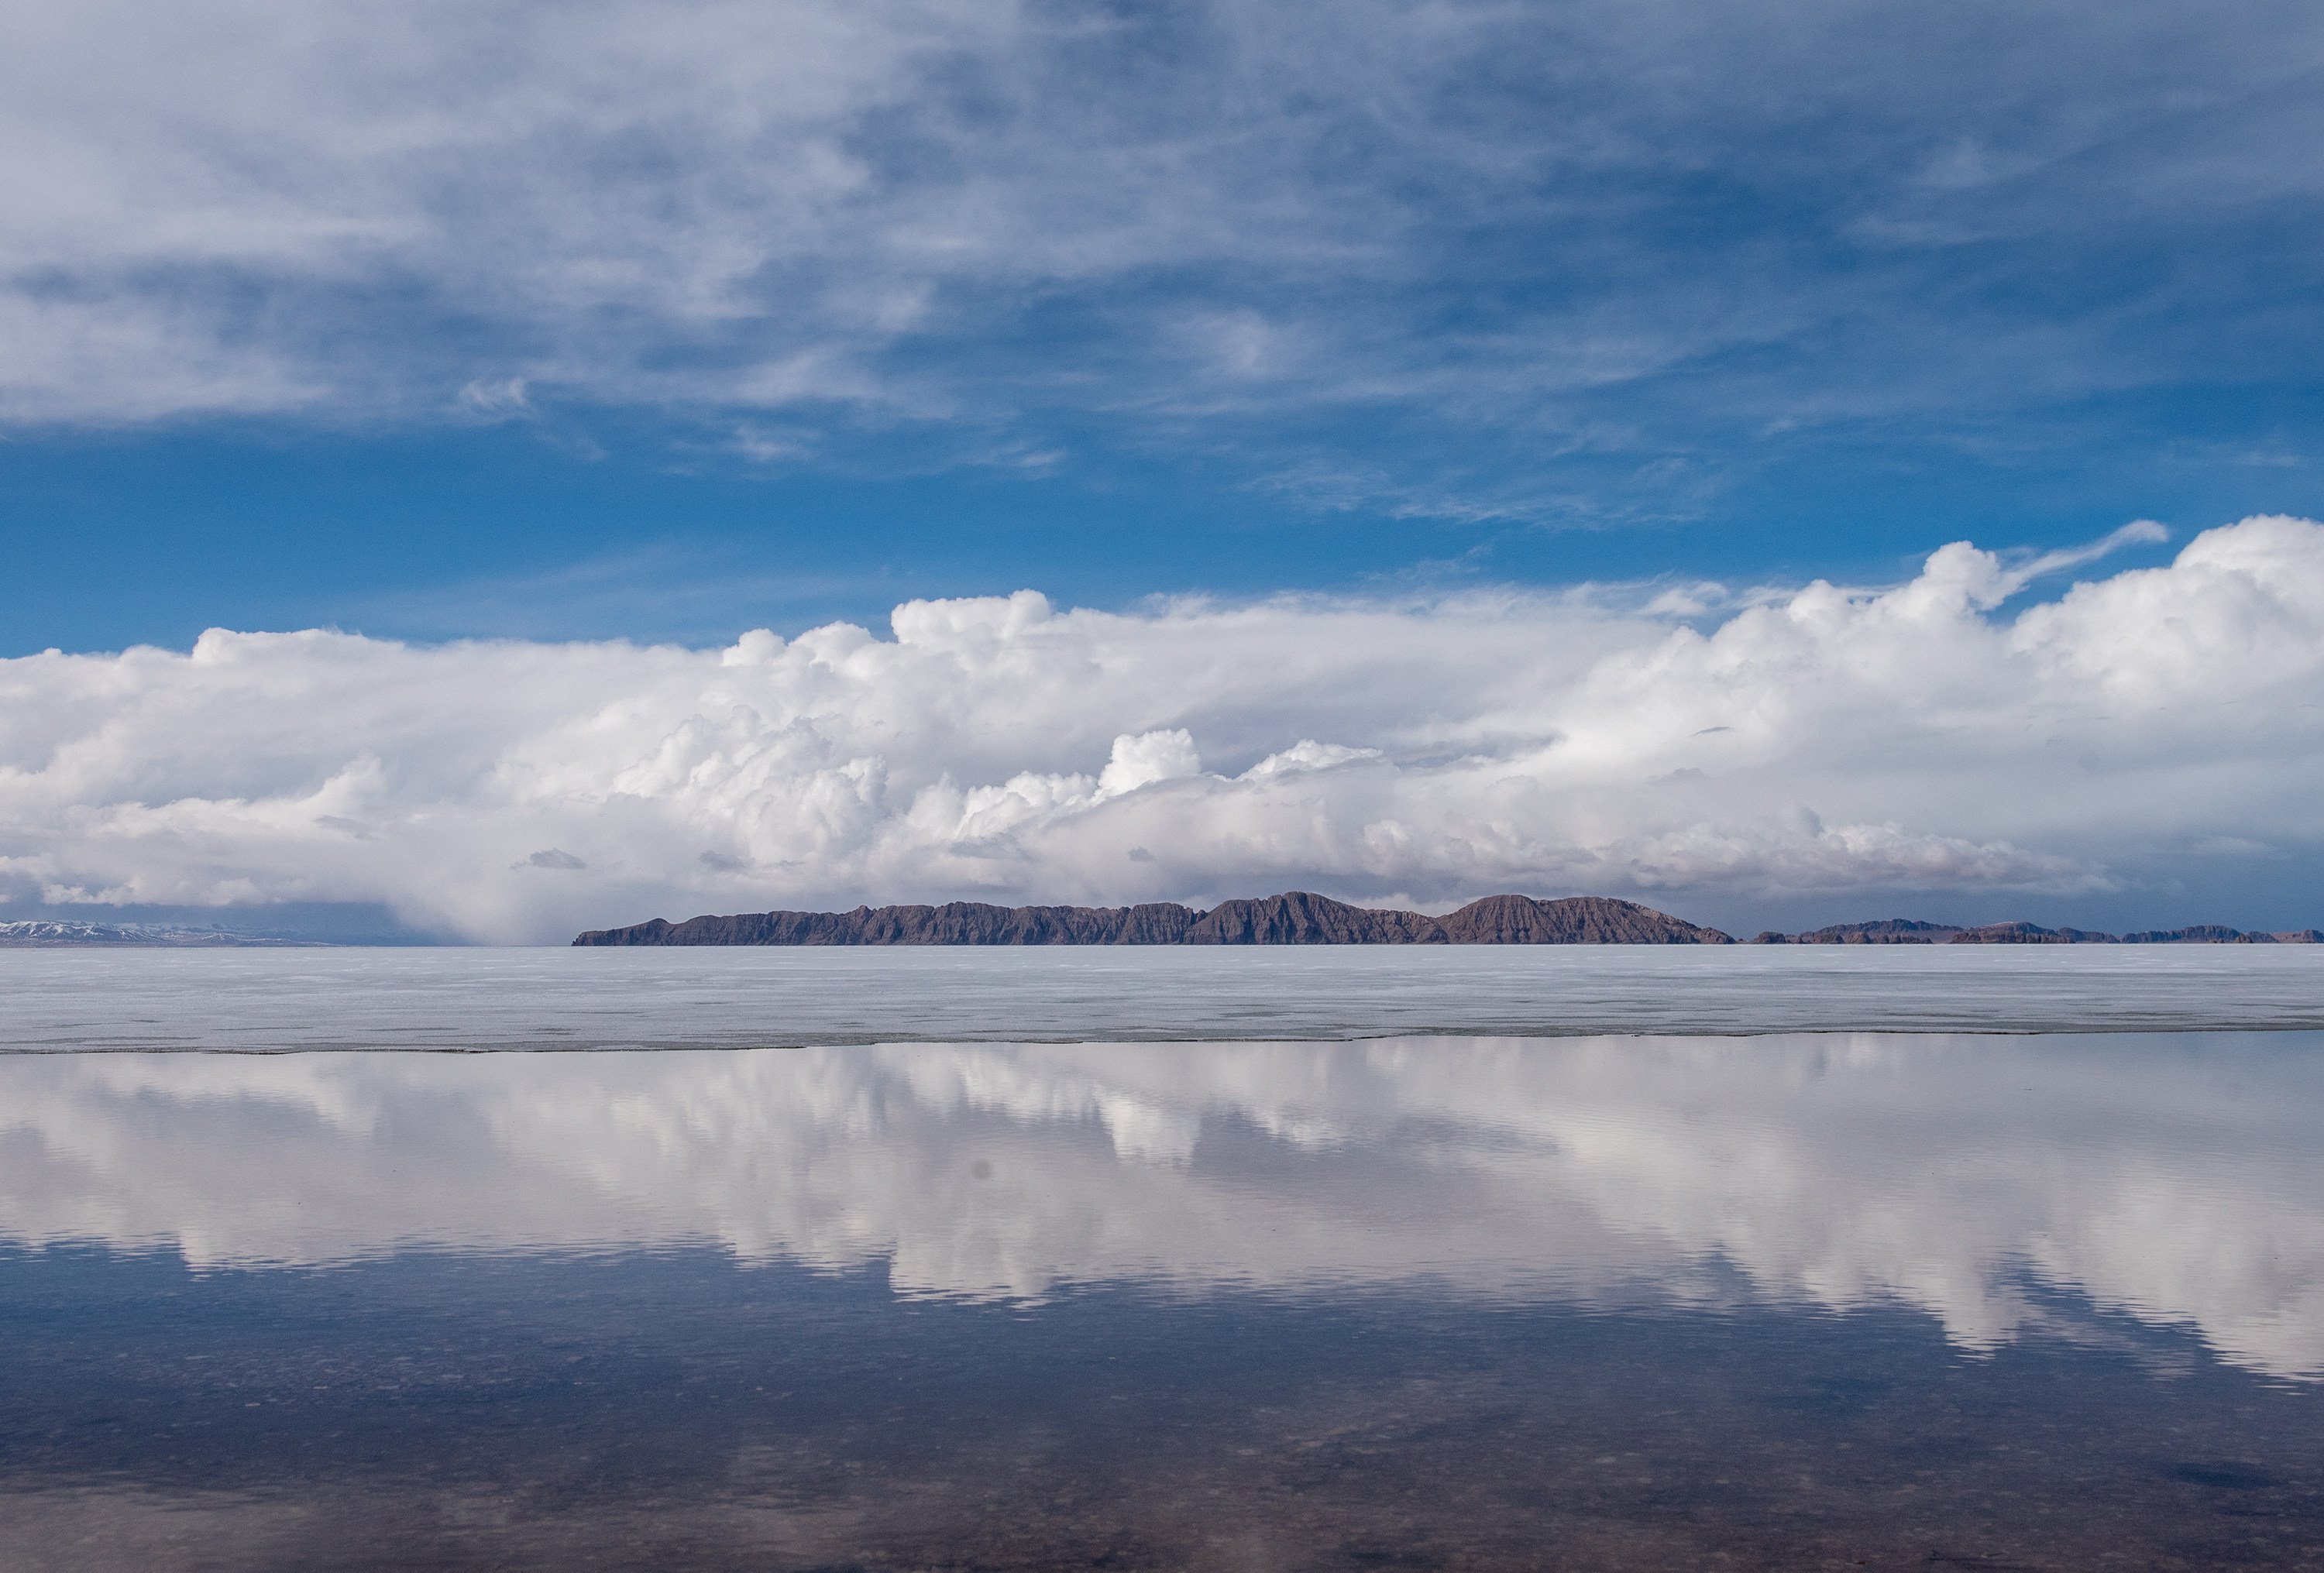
(1700, 752)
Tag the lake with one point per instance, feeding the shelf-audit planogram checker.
(1576, 1258)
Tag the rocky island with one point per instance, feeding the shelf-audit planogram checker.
(1296, 918)
(1300, 918)
(1905, 930)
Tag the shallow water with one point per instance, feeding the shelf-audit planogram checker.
(1618, 1302)
(264, 1001)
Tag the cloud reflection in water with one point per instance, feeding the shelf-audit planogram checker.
(2169, 1176)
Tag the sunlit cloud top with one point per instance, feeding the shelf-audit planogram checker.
(1970, 733)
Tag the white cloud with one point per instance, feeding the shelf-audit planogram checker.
(1147, 757)
(1824, 740)
(1308, 754)
(1953, 1174)
(491, 208)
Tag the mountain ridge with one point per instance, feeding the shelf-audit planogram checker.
(1902, 931)
(1297, 917)
(42, 933)
(1301, 917)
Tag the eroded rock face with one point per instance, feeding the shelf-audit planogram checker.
(1296, 918)
(1299, 918)
(1577, 920)
(956, 923)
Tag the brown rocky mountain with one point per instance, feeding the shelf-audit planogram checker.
(1886, 930)
(1296, 918)
(2216, 933)
(1899, 931)
(1577, 920)
(2028, 933)
(1299, 918)
(957, 923)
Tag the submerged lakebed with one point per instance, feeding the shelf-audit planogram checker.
(1452, 1295)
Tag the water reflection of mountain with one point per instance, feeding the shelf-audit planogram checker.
(2170, 1177)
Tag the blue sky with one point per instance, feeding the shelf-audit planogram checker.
(557, 322)
(1426, 436)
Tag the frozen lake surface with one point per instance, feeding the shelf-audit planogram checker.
(270, 1001)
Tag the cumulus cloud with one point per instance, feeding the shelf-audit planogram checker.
(1912, 737)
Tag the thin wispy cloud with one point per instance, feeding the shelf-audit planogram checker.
(1643, 231)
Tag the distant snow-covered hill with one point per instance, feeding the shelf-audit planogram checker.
(73, 931)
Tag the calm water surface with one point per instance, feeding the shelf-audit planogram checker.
(1829, 1300)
